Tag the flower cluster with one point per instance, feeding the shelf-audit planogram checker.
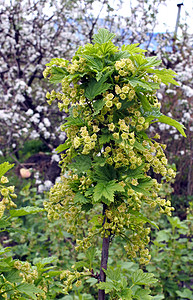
(29, 275)
(70, 277)
(26, 271)
(125, 67)
(7, 193)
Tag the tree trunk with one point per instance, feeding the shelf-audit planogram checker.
(104, 260)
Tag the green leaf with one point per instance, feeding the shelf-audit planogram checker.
(158, 297)
(4, 223)
(4, 267)
(143, 294)
(126, 294)
(58, 73)
(95, 88)
(28, 210)
(99, 160)
(141, 190)
(89, 191)
(29, 290)
(176, 223)
(172, 122)
(103, 36)
(80, 199)
(152, 61)
(4, 250)
(92, 281)
(139, 146)
(77, 76)
(166, 75)
(82, 163)
(154, 113)
(136, 173)
(185, 294)
(91, 254)
(107, 286)
(144, 185)
(151, 114)
(145, 103)
(106, 190)
(55, 61)
(105, 138)
(119, 55)
(13, 276)
(143, 62)
(137, 82)
(74, 121)
(104, 173)
(94, 63)
(108, 48)
(163, 236)
(141, 217)
(141, 278)
(81, 264)
(41, 262)
(4, 167)
(113, 274)
(98, 105)
(139, 59)
(63, 147)
(133, 48)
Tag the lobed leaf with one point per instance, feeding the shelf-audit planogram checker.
(186, 293)
(45, 261)
(104, 173)
(137, 82)
(151, 113)
(109, 48)
(63, 147)
(28, 210)
(167, 120)
(106, 190)
(141, 278)
(113, 274)
(142, 294)
(58, 73)
(29, 289)
(82, 163)
(73, 121)
(55, 61)
(95, 88)
(103, 36)
(166, 75)
(141, 217)
(98, 105)
(133, 48)
(13, 276)
(119, 55)
(94, 63)
(107, 286)
(4, 167)
(80, 199)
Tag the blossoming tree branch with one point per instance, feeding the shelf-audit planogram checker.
(108, 160)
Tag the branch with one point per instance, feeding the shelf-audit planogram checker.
(104, 260)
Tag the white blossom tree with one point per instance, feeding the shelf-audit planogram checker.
(32, 32)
